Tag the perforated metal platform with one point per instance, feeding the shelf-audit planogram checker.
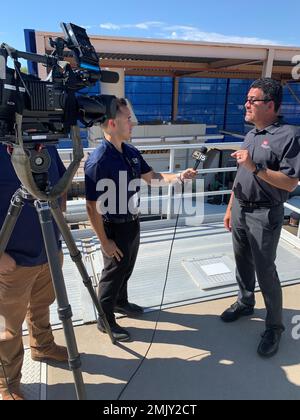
(211, 272)
(82, 307)
(206, 244)
(34, 378)
(192, 243)
(195, 247)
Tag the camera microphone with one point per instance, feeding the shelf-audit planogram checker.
(104, 76)
(109, 76)
(200, 156)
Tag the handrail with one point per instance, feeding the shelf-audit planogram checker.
(293, 208)
(163, 139)
(200, 172)
(140, 147)
(172, 148)
(78, 214)
(230, 133)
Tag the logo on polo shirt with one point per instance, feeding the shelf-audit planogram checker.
(135, 161)
(266, 144)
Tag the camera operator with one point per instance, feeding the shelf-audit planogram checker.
(119, 233)
(26, 289)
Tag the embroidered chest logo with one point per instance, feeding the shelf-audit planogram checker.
(266, 144)
(135, 161)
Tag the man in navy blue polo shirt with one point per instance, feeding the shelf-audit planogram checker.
(26, 288)
(112, 205)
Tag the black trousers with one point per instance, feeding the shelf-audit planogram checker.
(115, 275)
(256, 234)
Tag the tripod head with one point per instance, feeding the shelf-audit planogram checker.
(40, 162)
(30, 165)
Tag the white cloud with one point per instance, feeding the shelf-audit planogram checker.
(180, 28)
(188, 33)
(110, 26)
(142, 26)
(191, 33)
(146, 26)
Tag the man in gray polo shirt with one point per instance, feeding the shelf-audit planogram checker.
(268, 169)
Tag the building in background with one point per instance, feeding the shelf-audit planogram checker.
(180, 81)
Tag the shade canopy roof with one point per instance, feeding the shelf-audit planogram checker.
(153, 57)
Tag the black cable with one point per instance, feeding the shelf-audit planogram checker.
(6, 379)
(162, 301)
(21, 77)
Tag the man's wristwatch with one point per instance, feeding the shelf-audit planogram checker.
(259, 167)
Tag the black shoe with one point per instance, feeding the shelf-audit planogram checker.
(269, 344)
(129, 309)
(118, 333)
(236, 311)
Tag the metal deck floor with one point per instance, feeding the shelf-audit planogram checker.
(146, 284)
(145, 288)
(193, 352)
(195, 356)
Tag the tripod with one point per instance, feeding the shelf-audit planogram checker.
(45, 210)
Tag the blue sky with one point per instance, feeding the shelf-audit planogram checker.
(256, 21)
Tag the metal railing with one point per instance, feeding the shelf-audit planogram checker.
(288, 236)
(67, 154)
(172, 148)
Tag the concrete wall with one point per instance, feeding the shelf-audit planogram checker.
(147, 132)
(169, 130)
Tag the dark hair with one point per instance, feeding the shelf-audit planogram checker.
(121, 102)
(272, 90)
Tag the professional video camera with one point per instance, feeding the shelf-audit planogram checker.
(50, 108)
(34, 113)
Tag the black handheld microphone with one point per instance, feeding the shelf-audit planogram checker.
(200, 156)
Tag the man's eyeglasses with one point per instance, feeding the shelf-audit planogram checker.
(252, 101)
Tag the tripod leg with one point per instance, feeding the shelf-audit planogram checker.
(17, 203)
(64, 308)
(77, 258)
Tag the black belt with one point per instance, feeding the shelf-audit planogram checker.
(119, 220)
(257, 204)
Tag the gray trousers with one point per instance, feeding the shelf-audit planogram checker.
(256, 234)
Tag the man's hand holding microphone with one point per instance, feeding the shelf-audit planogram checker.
(191, 173)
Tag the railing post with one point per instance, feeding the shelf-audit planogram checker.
(170, 190)
(288, 236)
